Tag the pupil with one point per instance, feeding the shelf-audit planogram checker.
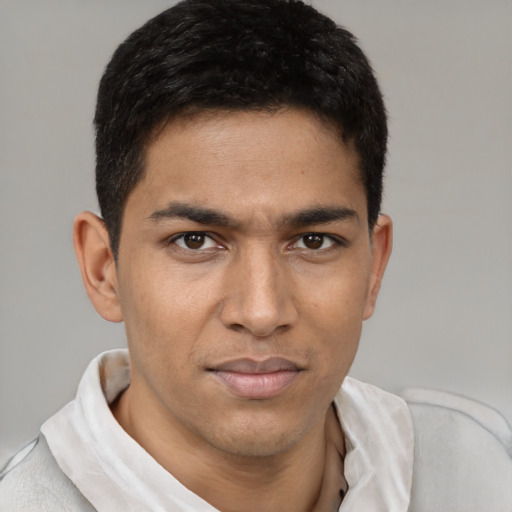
(313, 241)
(194, 240)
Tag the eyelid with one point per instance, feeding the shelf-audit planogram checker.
(180, 236)
(337, 240)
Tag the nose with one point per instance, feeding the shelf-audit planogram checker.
(259, 295)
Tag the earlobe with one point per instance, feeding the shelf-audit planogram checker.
(382, 242)
(97, 265)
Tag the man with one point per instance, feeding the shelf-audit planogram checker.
(240, 151)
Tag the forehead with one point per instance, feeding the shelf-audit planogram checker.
(255, 162)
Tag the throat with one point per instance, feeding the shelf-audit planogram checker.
(305, 477)
(265, 484)
(310, 479)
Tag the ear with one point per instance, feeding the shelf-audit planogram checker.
(382, 242)
(97, 265)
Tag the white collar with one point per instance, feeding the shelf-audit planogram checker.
(379, 436)
(117, 475)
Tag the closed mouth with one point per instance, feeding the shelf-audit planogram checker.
(257, 380)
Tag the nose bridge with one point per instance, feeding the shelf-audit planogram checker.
(259, 299)
(262, 274)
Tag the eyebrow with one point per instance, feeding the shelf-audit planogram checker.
(320, 215)
(199, 214)
(211, 217)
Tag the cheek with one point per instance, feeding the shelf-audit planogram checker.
(149, 310)
(338, 301)
(165, 312)
(339, 347)
(336, 314)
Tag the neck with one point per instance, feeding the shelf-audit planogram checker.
(291, 480)
(288, 481)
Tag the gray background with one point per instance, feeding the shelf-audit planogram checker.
(444, 318)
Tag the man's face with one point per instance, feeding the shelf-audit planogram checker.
(243, 277)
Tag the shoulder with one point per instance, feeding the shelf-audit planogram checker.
(463, 454)
(32, 481)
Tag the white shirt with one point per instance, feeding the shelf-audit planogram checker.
(117, 475)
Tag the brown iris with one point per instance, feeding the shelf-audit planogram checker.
(313, 240)
(194, 240)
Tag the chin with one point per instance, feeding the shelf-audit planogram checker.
(257, 446)
(251, 441)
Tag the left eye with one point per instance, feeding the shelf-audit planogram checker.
(195, 241)
(315, 241)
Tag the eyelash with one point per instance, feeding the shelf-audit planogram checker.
(182, 236)
(336, 241)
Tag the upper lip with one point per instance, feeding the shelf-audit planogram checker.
(253, 366)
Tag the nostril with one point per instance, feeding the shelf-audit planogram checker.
(236, 327)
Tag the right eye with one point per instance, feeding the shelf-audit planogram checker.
(194, 240)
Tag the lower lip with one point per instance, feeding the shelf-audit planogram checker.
(257, 386)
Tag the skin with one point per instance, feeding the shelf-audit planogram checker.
(216, 264)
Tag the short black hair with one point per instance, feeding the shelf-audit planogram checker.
(233, 55)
